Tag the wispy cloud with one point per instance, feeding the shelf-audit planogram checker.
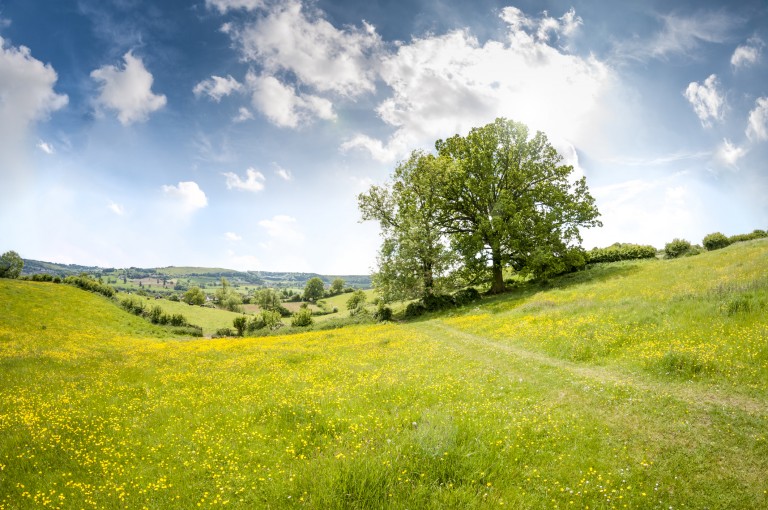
(707, 100)
(283, 173)
(116, 208)
(729, 154)
(45, 147)
(679, 35)
(231, 236)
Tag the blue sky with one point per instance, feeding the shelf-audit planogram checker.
(238, 133)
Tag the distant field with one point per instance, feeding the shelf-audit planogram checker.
(630, 385)
(210, 319)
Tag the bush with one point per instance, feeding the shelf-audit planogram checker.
(715, 241)
(620, 251)
(383, 313)
(435, 302)
(133, 305)
(240, 323)
(302, 318)
(155, 314)
(178, 320)
(415, 309)
(677, 248)
(223, 332)
(88, 283)
(466, 296)
(756, 234)
(356, 300)
(266, 319)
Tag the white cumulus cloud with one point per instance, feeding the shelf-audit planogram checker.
(747, 54)
(217, 87)
(231, 236)
(283, 106)
(26, 97)
(254, 180)
(446, 84)
(328, 59)
(707, 100)
(729, 154)
(757, 126)
(128, 90)
(187, 195)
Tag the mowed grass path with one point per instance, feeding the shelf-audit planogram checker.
(553, 397)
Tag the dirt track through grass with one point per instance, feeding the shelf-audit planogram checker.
(494, 353)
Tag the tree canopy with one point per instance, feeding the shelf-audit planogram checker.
(11, 265)
(496, 198)
(414, 259)
(314, 289)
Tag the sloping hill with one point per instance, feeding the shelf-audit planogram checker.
(637, 385)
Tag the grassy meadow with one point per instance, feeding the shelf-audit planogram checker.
(630, 385)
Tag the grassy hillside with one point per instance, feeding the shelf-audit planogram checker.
(632, 385)
(210, 319)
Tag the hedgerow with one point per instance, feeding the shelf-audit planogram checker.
(620, 251)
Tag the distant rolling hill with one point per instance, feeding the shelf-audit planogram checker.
(265, 278)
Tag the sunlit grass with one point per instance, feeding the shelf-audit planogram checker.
(627, 387)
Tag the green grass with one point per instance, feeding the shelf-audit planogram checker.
(631, 385)
(210, 319)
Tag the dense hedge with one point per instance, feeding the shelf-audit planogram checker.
(88, 283)
(620, 251)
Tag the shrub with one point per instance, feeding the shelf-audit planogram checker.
(435, 302)
(88, 283)
(266, 319)
(223, 332)
(302, 318)
(240, 323)
(676, 248)
(133, 305)
(756, 234)
(178, 320)
(356, 300)
(415, 309)
(466, 296)
(173, 297)
(715, 241)
(155, 314)
(383, 313)
(620, 251)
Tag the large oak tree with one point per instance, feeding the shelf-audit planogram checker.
(510, 201)
(492, 199)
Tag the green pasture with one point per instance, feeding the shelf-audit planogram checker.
(629, 385)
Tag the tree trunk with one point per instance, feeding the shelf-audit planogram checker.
(429, 281)
(497, 287)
